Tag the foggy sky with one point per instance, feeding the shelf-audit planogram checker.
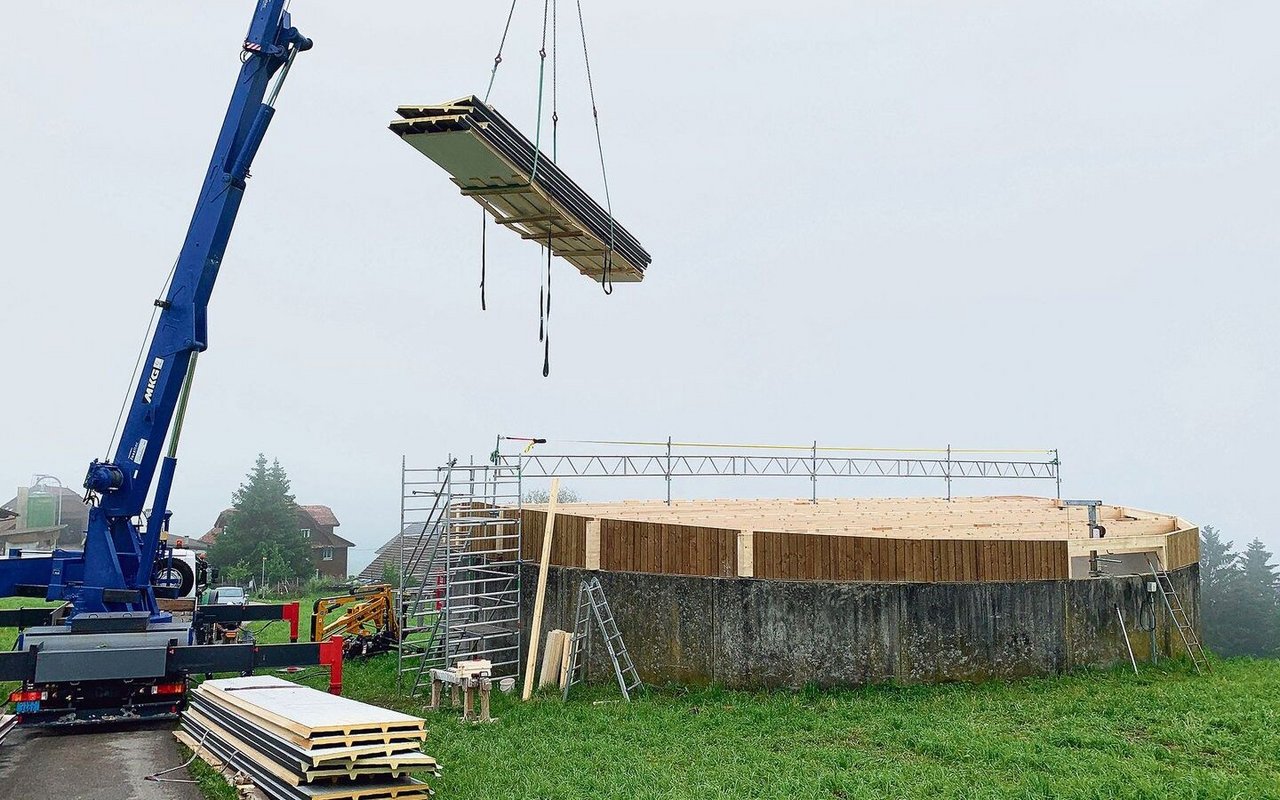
(911, 224)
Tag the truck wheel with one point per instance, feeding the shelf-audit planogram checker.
(176, 573)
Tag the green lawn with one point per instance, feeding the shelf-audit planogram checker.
(1165, 734)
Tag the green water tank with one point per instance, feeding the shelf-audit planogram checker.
(42, 510)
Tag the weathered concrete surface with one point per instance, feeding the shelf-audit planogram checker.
(743, 632)
(107, 763)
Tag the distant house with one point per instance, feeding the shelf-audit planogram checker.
(44, 517)
(415, 538)
(328, 549)
(316, 524)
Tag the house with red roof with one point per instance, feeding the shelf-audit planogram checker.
(316, 523)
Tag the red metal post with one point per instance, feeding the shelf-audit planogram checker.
(331, 657)
(290, 613)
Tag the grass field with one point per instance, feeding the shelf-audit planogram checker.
(1167, 733)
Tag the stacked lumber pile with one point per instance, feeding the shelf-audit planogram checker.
(297, 743)
(7, 723)
(495, 164)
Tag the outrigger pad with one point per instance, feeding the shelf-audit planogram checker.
(494, 163)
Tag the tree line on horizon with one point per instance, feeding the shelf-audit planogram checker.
(1239, 597)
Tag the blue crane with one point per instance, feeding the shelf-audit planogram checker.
(111, 652)
(113, 573)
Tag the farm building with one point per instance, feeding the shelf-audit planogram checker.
(789, 592)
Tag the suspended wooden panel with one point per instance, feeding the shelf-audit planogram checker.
(493, 163)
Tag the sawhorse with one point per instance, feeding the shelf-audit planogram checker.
(469, 677)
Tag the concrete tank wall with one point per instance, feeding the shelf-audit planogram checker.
(744, 632)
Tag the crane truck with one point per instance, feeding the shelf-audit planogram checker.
(110, 652)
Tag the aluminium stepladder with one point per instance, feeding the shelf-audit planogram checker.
(593, 603)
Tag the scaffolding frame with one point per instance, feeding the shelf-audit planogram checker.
(459, 569)
(691, 459)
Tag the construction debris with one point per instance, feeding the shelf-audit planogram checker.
(469, 677)
(521, 187)
(297, 743)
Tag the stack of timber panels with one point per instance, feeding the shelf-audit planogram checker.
(495, 164)
(297, 743)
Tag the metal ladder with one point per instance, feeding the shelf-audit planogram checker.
(1179, 615)
(592, 602)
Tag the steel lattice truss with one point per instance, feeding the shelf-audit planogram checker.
(810, 466)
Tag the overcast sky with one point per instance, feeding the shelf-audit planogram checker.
(1023, 225)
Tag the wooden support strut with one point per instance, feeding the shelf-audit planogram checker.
(519, 188)
(535, 625)
(544, 235)
(523, 218)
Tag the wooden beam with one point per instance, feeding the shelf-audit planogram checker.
(591, 559)
(471, 191)
(554, 235)
(535, 625)
(746, 554)
(520, 219)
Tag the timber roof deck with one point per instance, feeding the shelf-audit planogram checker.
(1016, 516)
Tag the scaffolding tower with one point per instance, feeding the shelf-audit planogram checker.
(459, 549)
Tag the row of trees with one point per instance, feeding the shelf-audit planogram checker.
(1239, 597)
(261, 533)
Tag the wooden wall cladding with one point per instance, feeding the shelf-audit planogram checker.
(629, 546)
(818, 557)
(1182, 548)
(673, 549)
(568, 540)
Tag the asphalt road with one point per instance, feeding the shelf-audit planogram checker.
(94, 764)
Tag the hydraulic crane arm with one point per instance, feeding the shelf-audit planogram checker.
(118, 556)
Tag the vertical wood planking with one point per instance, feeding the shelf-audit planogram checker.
(626, 545)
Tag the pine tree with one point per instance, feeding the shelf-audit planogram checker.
(1261, 587)
(263, 524)
(1239, 599)
(1218, 563)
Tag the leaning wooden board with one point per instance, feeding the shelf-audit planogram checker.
(305, 711)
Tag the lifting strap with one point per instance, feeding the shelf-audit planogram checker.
(550, 11)
(606, 280)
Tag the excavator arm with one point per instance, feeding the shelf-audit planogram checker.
(370, 624)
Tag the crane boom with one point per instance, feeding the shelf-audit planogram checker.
(113, 573)
(118, 556)
(109, 653)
